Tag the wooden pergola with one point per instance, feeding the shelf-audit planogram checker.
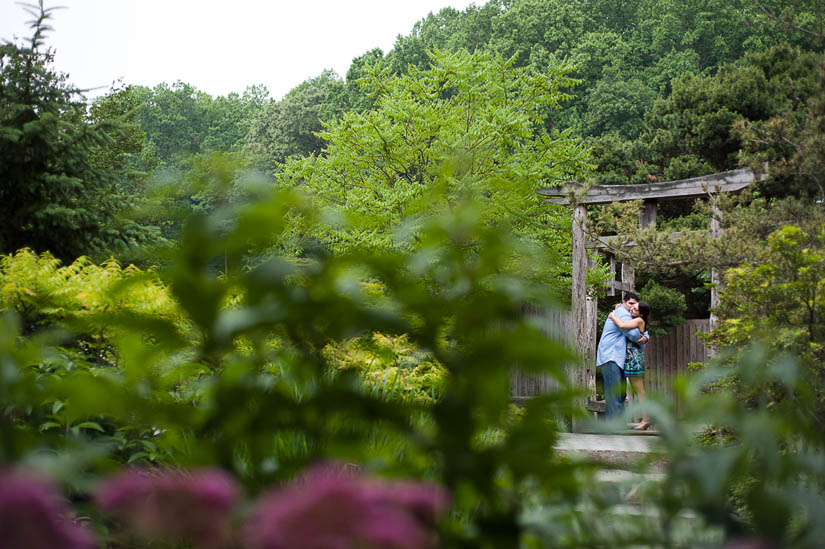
(584, 306)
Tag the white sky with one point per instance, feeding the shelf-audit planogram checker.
(217, 46)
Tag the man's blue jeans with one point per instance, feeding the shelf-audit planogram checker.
(612, 375)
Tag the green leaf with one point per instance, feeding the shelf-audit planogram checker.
(94, 426)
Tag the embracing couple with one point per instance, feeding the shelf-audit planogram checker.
(621, 353)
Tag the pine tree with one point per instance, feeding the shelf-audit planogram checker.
(53, 194)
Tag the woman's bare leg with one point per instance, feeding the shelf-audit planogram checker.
(638, 384)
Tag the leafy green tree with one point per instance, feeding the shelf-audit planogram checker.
(617, 103)
(802, 22)
(791, 142)
(780, 297)
(528, 28)
(125, 156)
(174, 119)
(290, 126)
(713, 29)
(468, 124)
(617, 161)
(597, 52)
(448, 30)
(180, 120)
(698, 116)
(668, 306)
(58, 192)
(230, 118)
(357, 98)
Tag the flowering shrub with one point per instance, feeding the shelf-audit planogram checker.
(33, 515)
(327, 508)
(171, 504)
(331, 508)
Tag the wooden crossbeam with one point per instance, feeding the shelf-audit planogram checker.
(610, 242)
(733, 180)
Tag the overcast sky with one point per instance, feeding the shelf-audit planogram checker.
(217, 46)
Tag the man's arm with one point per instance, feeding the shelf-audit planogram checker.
(633, 334)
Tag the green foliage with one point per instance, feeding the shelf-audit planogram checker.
(699, 116)
(759, 474)
(58, 192)
(801, 21)
(684, 245)
(266, 411)
(203, 183)
(125, 155)
(179, 120)
(262, 384)
(391, 366)
(73, 306)
(617, 103)
(667, 307)
(290, 126)
(791, 142)
(469, 125)
(626, 53)
(45, 294)
(277, 362)
(780, 298)
(616, 161)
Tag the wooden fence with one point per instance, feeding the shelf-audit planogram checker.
(666, 357)
(556, 324)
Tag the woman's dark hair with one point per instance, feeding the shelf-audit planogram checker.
(644, 312)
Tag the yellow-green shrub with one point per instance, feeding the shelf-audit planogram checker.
(45, 293)
(390, 365)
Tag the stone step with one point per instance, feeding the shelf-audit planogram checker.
(626, 458)
(591, 442)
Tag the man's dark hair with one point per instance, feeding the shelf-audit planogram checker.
(630, 295)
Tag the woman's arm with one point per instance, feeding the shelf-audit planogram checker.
(626, 324)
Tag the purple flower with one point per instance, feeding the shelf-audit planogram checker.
(33, 515)
(330, 508)
(171, 504)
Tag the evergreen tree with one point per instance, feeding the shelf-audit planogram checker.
(55, 194)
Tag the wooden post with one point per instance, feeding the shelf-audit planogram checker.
(611, 291)
(579, 296)
(715, 275)
(647, 217)
(579, 374)
(629, 277)
(589, 335)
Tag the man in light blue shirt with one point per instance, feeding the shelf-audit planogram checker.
(611, 352)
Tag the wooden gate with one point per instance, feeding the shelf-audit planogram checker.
(667, 357)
